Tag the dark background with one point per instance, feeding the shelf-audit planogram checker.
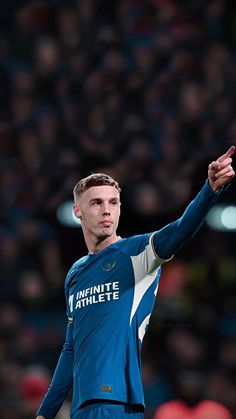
(144, 91)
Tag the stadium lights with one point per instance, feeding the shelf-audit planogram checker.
(222, 218)
(66, 216)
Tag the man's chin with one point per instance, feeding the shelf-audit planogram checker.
(103, 235)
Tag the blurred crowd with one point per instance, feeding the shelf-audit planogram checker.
(143, 91)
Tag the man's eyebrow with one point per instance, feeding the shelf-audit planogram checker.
(96, 200)
(114, 198)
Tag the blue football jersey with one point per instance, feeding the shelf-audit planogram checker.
(110, 296)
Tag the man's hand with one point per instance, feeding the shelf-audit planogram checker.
(221, 172)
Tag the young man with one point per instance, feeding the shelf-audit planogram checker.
(110, 294)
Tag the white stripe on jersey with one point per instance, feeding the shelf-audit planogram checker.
(142, 327)
(145, 266)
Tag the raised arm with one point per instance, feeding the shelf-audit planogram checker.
(61, 382)
(173, 236)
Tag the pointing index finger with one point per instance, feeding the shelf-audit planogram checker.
(228, 153)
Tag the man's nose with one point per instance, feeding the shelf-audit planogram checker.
(106, 208)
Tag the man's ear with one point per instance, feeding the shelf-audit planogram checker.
(76, 211)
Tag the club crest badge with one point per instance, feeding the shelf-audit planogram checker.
(109, 265)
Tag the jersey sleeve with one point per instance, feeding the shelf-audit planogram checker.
(62, 379)
(173, 236)
(61, 382)
(149, 258)
(143, 254)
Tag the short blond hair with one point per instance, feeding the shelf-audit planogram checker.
(95, 179)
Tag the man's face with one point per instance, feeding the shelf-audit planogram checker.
(99, 210)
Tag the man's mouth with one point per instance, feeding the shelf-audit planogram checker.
(106, 223)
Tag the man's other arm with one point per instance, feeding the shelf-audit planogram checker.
(61, 382)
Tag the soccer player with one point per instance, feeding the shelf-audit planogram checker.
(110, 294)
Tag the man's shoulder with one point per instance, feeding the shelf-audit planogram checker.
(135, 244)
(77, 264)
(74, 269)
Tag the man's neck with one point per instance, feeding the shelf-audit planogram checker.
(95, 244)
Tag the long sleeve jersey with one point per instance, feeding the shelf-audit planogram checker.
(110, 296)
